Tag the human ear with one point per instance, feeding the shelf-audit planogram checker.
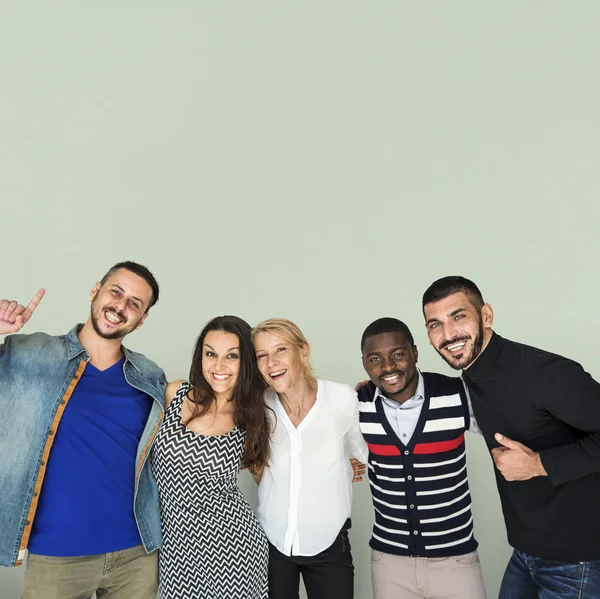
(487, 316)
(94, 291)
(304, 353)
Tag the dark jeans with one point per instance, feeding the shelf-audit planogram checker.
(529, 577)
(327, 575)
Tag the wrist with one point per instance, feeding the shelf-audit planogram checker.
(539, 467)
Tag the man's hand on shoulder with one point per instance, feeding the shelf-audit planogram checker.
(13, 315)
(515, 461)
(358, 469)
(360, 385)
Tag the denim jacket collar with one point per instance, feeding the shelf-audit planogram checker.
(75, 349)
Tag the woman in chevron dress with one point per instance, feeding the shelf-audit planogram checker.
(215, 424)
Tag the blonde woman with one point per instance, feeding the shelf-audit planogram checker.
(304, 494)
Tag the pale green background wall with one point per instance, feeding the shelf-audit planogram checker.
(322, 161)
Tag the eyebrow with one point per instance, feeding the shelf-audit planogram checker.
(378, 353)
(453, 313)
(211, 347)
(278, 345)
(133, 296)
(261, 349)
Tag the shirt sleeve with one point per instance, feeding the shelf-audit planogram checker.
(356, 442)
(473, 426)
(573, 397)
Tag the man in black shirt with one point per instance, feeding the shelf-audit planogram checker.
(540, 416)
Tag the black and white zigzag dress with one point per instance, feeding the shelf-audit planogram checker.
(213, 546)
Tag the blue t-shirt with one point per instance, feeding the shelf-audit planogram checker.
(86, 502)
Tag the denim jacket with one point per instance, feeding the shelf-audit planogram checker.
(38, 374)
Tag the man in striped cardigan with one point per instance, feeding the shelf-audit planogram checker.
(414, 423)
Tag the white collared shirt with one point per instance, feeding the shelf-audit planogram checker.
(305, 494)
(403, 418)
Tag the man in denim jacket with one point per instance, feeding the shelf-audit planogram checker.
(78, 413)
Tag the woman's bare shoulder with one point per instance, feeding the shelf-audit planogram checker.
(171, 390)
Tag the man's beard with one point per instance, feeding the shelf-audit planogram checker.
(119, 333)
(465, 361)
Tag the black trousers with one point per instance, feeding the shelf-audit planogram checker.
(327, 575)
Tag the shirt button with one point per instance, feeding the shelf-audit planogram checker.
(27, 523)
(50, 432)
(42, 463)
(404, 434)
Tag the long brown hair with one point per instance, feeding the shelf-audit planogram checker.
(249, 407)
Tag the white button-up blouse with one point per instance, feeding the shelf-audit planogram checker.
(305, 494)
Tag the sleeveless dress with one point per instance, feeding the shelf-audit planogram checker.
(213, 546)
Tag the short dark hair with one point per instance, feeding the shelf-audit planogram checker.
(140, 271)
(386, 325)
(446, 286)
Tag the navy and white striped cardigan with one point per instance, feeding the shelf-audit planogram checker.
(420, 490)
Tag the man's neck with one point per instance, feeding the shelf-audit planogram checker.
(103, 352)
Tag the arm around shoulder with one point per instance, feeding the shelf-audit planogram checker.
(357, 444)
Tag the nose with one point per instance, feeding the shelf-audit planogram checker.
(388, 364)
(271, 360)
(221, 363)
(120, 304)
(449, 330)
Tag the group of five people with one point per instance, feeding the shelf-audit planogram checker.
(104, 462)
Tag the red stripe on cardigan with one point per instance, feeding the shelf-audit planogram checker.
(383, 449)
(438, 447)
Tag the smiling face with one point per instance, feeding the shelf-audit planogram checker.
(279, 361)
(391, 363)
(119, 306)
(221, 361)
(458, 331)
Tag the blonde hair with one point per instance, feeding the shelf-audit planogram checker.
(291, 333)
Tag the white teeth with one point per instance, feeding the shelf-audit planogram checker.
(390, 378)
(112, 317)
(221, 377)
(274, 374)
(456, 346)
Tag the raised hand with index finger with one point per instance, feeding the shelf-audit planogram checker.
(14, 315)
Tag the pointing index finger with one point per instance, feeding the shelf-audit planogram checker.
(33, 304)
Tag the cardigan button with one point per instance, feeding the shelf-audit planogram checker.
(406, 452)
(412, 506)
(409, 477)
(416, 532)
